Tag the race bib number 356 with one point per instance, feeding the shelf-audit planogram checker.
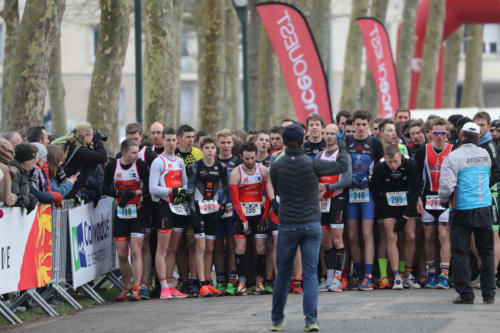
(181, 209)
(359, 195)
(397, 199)
(251, 208)
(128, 212)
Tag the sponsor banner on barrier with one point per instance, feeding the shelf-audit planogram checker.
(25, 248)
(90, 235)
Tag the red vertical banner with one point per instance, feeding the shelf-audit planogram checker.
(300, 63)
(381, 64)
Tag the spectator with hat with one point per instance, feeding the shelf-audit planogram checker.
(24, 162)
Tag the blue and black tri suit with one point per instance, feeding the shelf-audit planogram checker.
(363, 154)
(225, 223)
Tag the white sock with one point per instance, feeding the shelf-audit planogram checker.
(329, 275)
(163, 283)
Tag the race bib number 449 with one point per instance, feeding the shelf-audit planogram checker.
(251, 208)
(397, 199)
(128, 212)
(359, 195)
(208, 206)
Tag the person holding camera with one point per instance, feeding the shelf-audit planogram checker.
(83, 152)
(57, 177)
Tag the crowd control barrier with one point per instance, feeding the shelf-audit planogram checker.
(55, 250)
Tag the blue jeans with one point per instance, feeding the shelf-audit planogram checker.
(308, 236)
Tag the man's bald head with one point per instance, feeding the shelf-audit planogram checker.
(156, 133)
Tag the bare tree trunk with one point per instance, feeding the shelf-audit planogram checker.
(352, 61)
(472, 94)
(29, 75)
(370, 92)
(406, 48)
(319, 20)
(254, 38)
(430, 57)
(162, 61)
(452, 48)
(198, 13)
(269, 83)
(114, 29)
(174, 61)
(56, 91)
(213, 81)
(232, 108)
(10, 15)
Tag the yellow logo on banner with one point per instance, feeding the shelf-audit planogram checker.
(43, 265)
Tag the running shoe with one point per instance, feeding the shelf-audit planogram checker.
(135, 296)
(344, 283)
(411, 283)
(176, 293)
(215, 292)
(205, 291)
(193, 290)
(290, 286)
(398, 284)
(335, 286)
(123, 296)
(144, 291)
(297, 288)
(221, 287)
(366, 285)
(251, 290)
(476, 283)
(230, 289)
(165, 293)
(241, 290)
(422, 280)
(384, 283)
(259, 288)
(431, 281)
(277, 326)
(324, 286)
(443, 282)
(311, 327)
(184, 287)
(354, 285)
(322, 280)
(269, 287)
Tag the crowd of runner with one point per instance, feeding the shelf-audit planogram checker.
(189, 201)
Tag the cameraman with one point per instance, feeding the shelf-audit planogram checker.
(83, 152)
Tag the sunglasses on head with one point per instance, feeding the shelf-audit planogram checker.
(438, 133)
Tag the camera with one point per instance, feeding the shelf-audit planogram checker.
(100, 136)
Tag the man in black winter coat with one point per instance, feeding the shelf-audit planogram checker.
(295, 179)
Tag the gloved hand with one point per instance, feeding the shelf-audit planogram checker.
(57, 197)
(246, 229)
(400, 224)
(220, 212)
(180, 195)
(31, 204)
(275, 205)
(126, 196)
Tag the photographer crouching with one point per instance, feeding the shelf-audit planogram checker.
(83, 153)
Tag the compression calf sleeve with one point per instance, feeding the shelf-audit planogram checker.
(261, 266)
(240, 265)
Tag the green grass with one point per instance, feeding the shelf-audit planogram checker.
(84, 300)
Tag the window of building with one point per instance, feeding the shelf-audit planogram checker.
(491, 38)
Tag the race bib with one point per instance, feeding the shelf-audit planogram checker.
(229, 211)
(397, 199)
(359, 195)
(251, 208)
(181, 209)
(127, 212)
(432, 202)
(208, 206)
(324, 205)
